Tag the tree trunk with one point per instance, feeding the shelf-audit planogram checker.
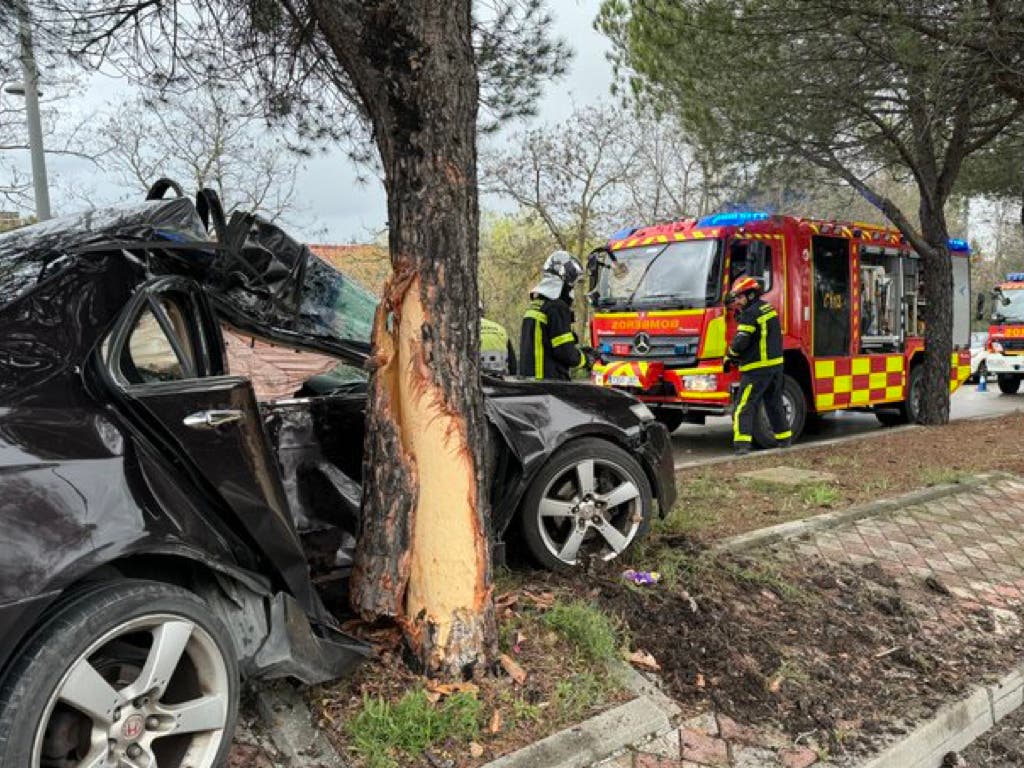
(937, 274)
(423, 556)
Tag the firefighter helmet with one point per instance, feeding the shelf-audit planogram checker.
(743, 285)
(561, 270)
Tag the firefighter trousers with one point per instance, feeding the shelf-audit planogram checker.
(757, 386)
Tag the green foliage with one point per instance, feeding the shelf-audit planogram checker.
(853, 89)
(943, 476)
(819, 494)
(574, 697)
(383, 732)
(585, 627)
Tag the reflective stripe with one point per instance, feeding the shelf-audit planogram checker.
(540, 317)
(565, 338)
(761, 364)
(747, 328)
(763, 346)
(736, 436)
(784, 435)
(538, 351)
(582, 363)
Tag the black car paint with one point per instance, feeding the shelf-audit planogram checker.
(97, 473)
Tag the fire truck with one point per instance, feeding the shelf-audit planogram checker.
(849, 296)
(1005, 345)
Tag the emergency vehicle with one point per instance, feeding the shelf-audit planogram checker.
(848, 295)
(1005, 344)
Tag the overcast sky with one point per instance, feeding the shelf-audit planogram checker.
(335, 205)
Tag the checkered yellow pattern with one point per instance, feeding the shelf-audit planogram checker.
(846, 382)
(849, 382)
(960, 369)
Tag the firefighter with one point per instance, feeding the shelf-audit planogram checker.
(757, 350)
(548, 347)
(497, 356)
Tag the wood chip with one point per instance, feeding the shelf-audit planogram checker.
(644, 660)
(495, 725)
(699, 681)
(475, 749)
(511, 666)
(447, 689)
(776, 684)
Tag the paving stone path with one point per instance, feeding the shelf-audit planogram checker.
(970, 543)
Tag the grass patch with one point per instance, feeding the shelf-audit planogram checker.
(943, 476)
(586, 627)
(574, 697)
(383, 733)
(819, 494)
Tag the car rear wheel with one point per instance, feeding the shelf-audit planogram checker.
(592, 499)
(133, 674)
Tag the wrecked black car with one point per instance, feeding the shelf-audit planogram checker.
(158, 522)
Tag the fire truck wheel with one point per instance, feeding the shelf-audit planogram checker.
(907, 411)
(1008, 383)
(795, 403)
(670, 417)
(591, 500)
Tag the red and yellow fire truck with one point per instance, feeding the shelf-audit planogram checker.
(1005, 344)
(848, 295)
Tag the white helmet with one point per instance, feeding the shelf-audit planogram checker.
(560, 269)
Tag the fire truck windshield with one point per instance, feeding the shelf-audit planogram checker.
(678, 275)
(1012, 311)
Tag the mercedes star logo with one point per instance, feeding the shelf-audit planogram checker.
(642, 343)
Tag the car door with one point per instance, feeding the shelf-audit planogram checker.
(165, 359)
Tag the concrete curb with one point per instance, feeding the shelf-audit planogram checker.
(649, 715)
(592, 740)
(808, 525)
(290, 724)
(954, 726)
(880, 432)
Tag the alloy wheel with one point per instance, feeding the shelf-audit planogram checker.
(150, 693)
(592, 508)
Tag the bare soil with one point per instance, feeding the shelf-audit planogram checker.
(1002, 747)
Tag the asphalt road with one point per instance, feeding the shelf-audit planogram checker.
(693, 443)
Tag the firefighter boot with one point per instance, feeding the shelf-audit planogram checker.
(740, 449)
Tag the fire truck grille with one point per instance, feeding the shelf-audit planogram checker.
(675, 351)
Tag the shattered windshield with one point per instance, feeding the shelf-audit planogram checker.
(682, 274)
(337, 304)
(1013, 310)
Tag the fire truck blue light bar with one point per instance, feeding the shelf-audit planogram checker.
(956, 244)
(1015, 277)
(732, 219)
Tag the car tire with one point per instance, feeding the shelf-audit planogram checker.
(670, 417)
(563, 515)
(87, 671)
(1008, 383)
(796, 408)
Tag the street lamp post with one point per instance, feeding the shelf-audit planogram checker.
(35, 127)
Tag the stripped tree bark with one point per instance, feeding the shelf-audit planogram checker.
(423, 556)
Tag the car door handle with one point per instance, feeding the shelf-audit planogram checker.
(212, 419)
